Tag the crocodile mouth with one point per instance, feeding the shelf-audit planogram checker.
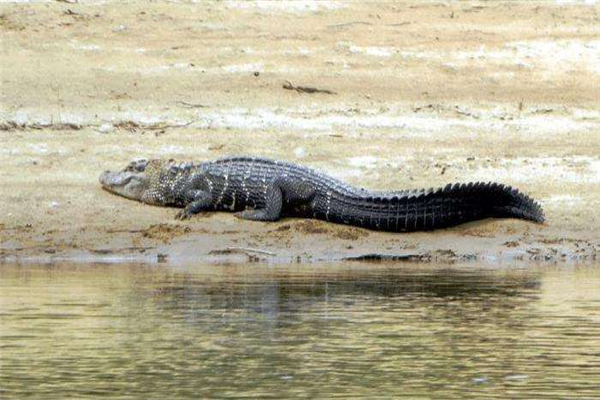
(120, 178)
(130, 182)
(110, 179)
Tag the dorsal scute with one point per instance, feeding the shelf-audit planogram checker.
(247, 159)
(411, 195)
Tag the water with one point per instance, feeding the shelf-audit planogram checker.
(334, 331)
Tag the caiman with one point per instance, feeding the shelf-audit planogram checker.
(260, 189)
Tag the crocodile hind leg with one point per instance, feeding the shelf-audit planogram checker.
(272, 210)
(281, 191)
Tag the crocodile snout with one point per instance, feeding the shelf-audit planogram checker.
(104, 178)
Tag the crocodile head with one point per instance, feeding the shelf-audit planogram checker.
(132, 182)
(158, 182)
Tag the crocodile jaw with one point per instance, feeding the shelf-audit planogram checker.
(129, 184)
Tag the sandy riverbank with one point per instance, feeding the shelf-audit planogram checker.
(424, 94)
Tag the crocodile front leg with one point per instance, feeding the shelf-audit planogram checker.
(201, 201)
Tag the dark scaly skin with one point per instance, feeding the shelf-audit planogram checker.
(265, 190)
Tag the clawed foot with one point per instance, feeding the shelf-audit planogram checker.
(183, 215)
(255, 215)
(244, 214)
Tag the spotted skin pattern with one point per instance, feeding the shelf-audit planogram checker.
(266, 190)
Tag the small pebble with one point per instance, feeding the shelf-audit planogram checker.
(299, 152)
(104, 128)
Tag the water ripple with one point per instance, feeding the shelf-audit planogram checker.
(329, 331)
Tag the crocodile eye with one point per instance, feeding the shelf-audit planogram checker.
(141, 165)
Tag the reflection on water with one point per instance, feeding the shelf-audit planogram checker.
(387, 330)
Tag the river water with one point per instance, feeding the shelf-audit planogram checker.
(327, 331)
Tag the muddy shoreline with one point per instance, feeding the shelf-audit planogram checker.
(405, 96)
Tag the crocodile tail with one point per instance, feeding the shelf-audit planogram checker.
(448, 206)
(509, 202)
